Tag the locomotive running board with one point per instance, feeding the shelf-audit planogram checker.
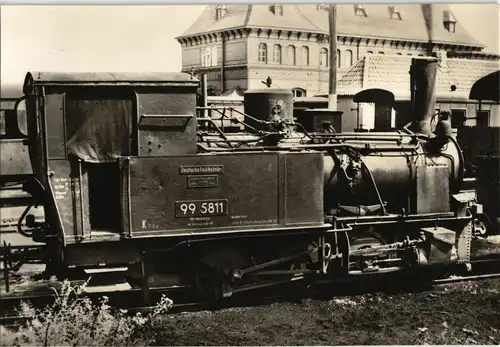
(106, 280)
(118, 287)
(92, 271)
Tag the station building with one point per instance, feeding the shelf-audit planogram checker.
(239, 46)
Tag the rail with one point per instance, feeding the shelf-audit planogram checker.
(479, 269)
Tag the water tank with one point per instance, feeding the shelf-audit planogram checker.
(267, 105)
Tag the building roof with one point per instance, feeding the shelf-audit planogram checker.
(391, 72)
(418, 22)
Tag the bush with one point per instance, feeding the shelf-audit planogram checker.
(75, 321)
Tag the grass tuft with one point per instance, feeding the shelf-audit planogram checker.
(75, 321)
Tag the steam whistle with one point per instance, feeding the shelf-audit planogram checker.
(443, 132)
(443, 127)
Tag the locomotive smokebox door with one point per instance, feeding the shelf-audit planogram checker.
(268, 105)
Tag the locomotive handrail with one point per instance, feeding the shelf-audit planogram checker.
(234, 119)
(295, 146)
(379, 197)
(167, 116)
(145, 117)
(232, 109)
(221, 133)
(347, 223)
(230, 118)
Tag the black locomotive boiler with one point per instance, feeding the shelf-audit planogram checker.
(131, 182)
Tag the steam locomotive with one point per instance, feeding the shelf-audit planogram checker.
(133, 180)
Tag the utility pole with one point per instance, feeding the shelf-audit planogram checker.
(330, 118)
(332, 85)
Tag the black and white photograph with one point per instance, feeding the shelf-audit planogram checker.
(247, 174)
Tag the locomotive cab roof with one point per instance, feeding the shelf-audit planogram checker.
(107, 79)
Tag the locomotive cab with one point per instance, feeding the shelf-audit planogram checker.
(81, 125)
(116, 159)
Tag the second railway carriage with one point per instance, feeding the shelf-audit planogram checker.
(487, 157)
(15, 165)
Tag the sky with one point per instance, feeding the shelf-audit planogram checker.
(134, 38)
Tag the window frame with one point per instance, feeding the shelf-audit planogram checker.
(323, 57)
(262, 53)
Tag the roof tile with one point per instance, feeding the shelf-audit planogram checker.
(413, 25)
(391, 72)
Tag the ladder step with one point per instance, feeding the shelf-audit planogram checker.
(117, 287)
(105, 270)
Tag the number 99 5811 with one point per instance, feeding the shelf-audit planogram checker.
(200, 208)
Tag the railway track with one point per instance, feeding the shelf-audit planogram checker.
(133, 300)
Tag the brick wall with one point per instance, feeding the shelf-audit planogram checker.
(242, 52)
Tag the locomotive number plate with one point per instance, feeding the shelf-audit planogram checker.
(200, 208)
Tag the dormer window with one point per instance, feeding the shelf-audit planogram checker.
(277, 10)
(220, 11)
(394, 11)
(359, 11)
(322, 7)
(449, 21)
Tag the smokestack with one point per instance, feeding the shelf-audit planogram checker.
(423, 94)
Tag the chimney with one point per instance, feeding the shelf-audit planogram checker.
(423, 94)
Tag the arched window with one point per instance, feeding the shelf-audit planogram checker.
(380, 52)
(369, 52)
(262, 53)
(409, 54)
(299, 92)
(349, 58)
(305, 55)
(339, 56)
(420, 55)
(206, 57)
(323, 57)
(277, 54)
(399, 53)
(292, 59)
